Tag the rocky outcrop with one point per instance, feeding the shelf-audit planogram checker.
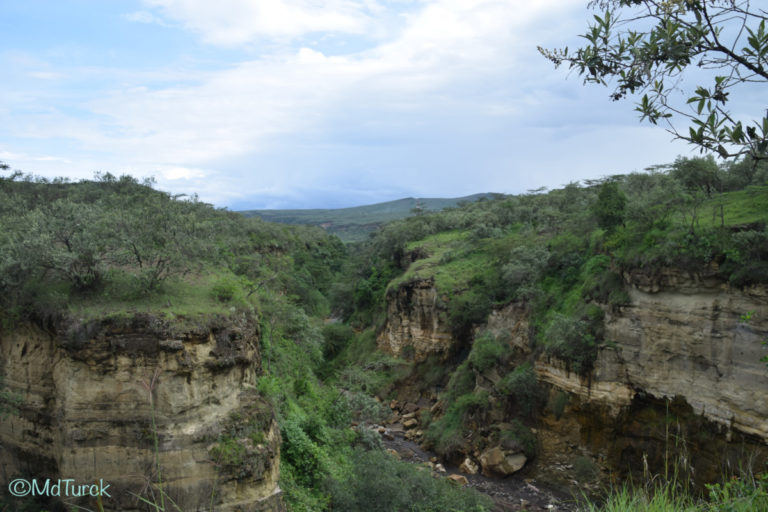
(680, 365)
(98, 395)
(680, 377)
(682, 336)
(415, 328)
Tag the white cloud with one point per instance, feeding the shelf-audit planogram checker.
(143, 17)
(454, 74)
(444, 56)
(45, 75)
(182, 173)
(242, 21)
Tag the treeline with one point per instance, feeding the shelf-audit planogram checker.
(117, 239)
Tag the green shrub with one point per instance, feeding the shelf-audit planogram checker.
(337, 337)
(522, 387)
(557, 404)
(380, 483)
(569, 339)
(224, 289)
(307, 460)
(519, 437)
(486, 352)
(585, 469)
(446, 434)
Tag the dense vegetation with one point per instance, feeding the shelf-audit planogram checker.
(116, 246)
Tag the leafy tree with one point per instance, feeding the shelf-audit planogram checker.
(698, 174)
(610, 206)
(647, 45)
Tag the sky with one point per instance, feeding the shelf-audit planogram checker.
(256, 104)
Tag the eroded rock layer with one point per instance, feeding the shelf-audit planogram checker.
(90, 392)
(415, 327)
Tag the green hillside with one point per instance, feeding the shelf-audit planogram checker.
(355, 223)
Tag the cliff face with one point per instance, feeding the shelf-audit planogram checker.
(90, 392)
(414, 328)
(682, 363)
(684, 367)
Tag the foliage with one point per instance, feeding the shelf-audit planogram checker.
(737, 494)
(610, 206)
(446, 435)
(487, 351)
(647, 45)
(380, 483)
(575, 339)
(518, 437)
(523, 389)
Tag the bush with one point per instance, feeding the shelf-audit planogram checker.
(519, 437)
(380, 483)
(307, 460)
(486, 352)
(574, 339)
(224, 289)
(446, 435)
(585, 469)
(557, 404)
(522, 387)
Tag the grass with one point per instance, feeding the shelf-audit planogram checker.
(746, 494)
(739, 207)
(452, 261)
(178, 297)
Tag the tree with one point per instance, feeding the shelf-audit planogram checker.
(701, 174)
(645, 46)
(610, 206)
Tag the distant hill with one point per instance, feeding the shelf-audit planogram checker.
(353, 224)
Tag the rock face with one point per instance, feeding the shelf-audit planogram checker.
(683, 337)
(414, 327)
(90, 392)
(681, 364)
(683, 355)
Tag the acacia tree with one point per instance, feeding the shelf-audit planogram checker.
(645, 46)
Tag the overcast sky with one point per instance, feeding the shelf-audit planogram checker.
(310, 103)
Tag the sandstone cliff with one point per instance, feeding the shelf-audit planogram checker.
(415, 327)
(89, 393)
(681, 366)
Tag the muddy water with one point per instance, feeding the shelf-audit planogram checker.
(513, 493)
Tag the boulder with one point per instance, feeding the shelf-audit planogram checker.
(458, 479)
(469, 467)
(393, 453)
(497, 461)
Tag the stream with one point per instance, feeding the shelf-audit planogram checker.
(513, 493)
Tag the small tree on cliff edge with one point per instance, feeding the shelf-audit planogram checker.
(645, 46)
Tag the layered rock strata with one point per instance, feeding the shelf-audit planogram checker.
(97, 396)
(415, 327)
